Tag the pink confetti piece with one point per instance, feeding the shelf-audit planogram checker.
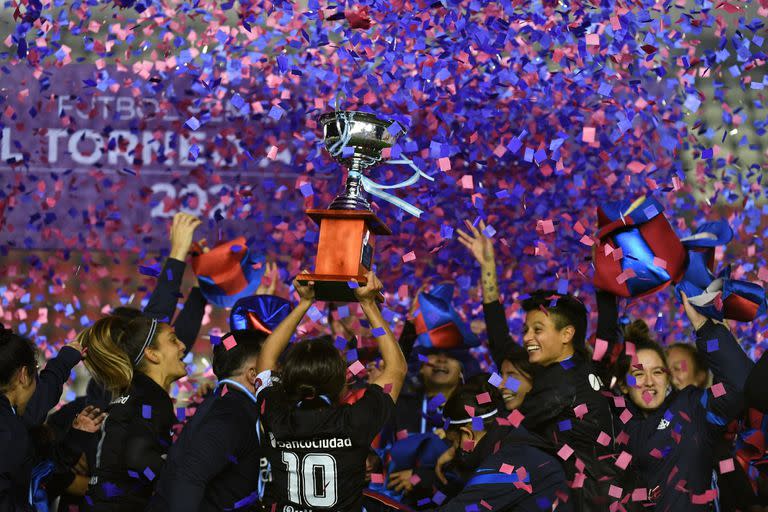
(623, 460)
(377, 478)
(229, 342)
(483, 398)
(515, 418)
(615, 491)
(603, 439)
(506, 468)
(564, 452)
(580, 411)
(726, 466)
(601, 347)
(640, 494)
(356, 367)
(593, 39)
(625, 416)
(409, 257)
(588, 134)
(445, 164)
(718, 390)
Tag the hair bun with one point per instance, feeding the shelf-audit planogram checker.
(637, 330)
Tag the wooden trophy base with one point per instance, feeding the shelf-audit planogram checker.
(344, 252)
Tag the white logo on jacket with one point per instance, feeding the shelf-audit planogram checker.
(595, 381)
(664, 423)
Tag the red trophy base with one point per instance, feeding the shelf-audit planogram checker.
(344, 252)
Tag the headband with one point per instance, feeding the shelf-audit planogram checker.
(150, 334)
(469, 420)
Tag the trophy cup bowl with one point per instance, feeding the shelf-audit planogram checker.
(348, 227)
(356, 140)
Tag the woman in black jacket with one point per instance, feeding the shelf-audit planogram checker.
(671, 434)
(566, 405)
(137, 361)
(20, 387)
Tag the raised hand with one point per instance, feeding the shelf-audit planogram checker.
(478, 244)
(696, 318)
(481, 248)
(182, 231)
(371, 291)
(89, 419)
(271, 276)
(306, 291)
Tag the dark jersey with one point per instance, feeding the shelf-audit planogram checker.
(318, 455)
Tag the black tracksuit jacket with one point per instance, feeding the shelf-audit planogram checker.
(215, 463)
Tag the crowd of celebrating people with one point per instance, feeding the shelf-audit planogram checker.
(564, 420)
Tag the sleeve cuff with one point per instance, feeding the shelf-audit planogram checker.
(69, 357)
(708, 329)
(173, 270)
(79, 439)
(491, 307)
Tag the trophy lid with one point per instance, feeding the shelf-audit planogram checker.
(366, 133)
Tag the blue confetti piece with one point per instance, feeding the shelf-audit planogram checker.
(378, 331)
(713, 345)
(489, 231)
(343, 311)
(477, 423)
(149, 474)
(353, 284)
(276, 112)
(495, 380)
(512, 384)
(146, 411)
(192, 123)
(306, 189)
(564, 425)
(394, 129)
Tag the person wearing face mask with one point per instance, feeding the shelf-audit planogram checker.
(492, 464)
(137, 361)
(671, 434)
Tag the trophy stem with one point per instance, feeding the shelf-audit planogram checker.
(353, 197)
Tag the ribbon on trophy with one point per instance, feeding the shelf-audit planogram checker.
(259, 312)
(227, 272)
(638, 251)
(376, 189)
(717, 297)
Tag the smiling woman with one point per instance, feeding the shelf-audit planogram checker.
(645, 380)
(139, 359)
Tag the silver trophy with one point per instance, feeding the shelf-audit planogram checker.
(356, 140)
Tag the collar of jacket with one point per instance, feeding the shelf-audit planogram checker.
(6, 404)
(569, 365)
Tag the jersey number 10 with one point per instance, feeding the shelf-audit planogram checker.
(313, 478)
